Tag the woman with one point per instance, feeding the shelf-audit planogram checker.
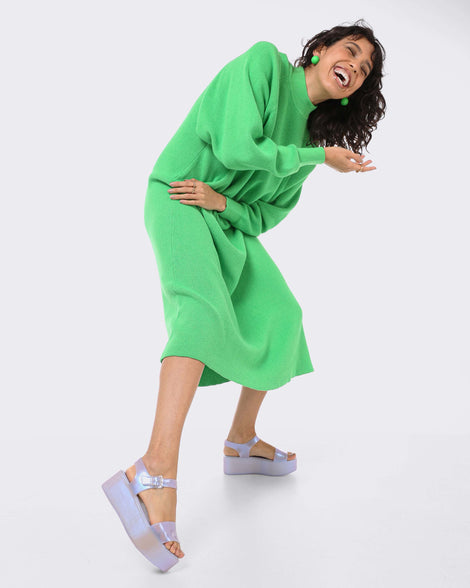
(233, 170)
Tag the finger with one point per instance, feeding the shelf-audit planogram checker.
(180, 196)
(190, 202)
(365, 169)
(181, 190)
(357, 156)
(189, 182)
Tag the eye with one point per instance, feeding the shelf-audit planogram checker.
(352, 53)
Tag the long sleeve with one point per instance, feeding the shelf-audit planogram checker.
(231, 113)
(258, 217)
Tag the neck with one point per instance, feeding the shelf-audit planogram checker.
(316, 92)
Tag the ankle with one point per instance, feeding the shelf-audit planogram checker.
(241, 435)
(157, 466)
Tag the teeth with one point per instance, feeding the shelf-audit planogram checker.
(344, 74)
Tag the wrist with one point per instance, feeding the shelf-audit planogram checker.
(223, 203)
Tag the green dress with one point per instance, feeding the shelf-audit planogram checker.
(225, 301)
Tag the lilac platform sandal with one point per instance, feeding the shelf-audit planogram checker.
(124, 497)
(244, 464)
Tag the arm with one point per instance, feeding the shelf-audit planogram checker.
(231, 111)
(258, 217)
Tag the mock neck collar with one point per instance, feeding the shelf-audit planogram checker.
(299, 91)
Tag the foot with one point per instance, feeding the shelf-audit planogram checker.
(259, 449)
(159, 502)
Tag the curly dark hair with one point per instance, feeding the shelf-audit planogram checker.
(332, 124)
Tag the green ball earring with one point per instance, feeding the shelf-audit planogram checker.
(315, 59)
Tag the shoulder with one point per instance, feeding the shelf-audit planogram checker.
(263, 59)
(263, 51)
(264, 48)
(259, 63)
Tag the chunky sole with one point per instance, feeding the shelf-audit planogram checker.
(130, 510)
(258, 465)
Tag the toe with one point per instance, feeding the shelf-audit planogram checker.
(174, 547)
(290, 455)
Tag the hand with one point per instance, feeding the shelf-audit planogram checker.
(202, 195)
(340, 159)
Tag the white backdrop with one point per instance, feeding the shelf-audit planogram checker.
(92, 92)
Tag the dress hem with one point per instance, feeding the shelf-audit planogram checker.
(224, 379)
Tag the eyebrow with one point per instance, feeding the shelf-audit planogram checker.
(360, 51)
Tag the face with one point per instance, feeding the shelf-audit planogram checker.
(350, 59)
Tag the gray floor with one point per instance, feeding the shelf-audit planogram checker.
(361, 510)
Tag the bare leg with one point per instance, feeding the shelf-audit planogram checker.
(179, 379)
(243, 425)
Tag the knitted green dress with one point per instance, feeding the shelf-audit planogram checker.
(225, 301)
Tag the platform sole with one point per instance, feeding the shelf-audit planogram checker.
(258, 465)
(135, 521)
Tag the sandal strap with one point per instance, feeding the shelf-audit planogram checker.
(143, 480)
(165, 531)
(280, 455)
(242, 448)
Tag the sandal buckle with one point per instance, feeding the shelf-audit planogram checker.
(153, 481)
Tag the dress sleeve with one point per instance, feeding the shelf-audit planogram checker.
(231, 112)
(258, 217)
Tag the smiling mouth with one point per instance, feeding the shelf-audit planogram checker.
(341, 78)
